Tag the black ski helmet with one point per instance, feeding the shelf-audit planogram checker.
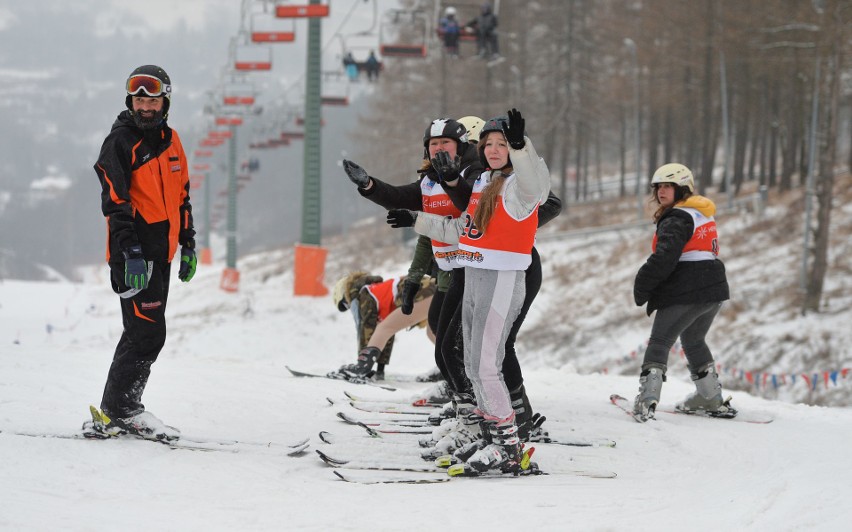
(155, 72)
(493, 124)
(444, 128)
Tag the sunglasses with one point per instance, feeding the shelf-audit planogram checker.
(149, 85)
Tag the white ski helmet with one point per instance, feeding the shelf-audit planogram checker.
(450, 11)
(473, 124)
(675, 173)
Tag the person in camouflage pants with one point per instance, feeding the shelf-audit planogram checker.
(375, 304)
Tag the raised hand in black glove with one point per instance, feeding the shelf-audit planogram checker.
(356, 174)
(401, 218)
(514, 129)
(409, 289)
(446, 168)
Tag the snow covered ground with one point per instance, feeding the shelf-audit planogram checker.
(222, 374)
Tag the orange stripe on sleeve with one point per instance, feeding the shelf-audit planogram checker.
(112, 195)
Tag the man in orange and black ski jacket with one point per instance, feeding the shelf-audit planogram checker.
(144, 178)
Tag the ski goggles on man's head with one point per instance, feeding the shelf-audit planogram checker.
(144, 84)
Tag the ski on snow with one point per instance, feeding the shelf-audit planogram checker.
(375, 428)
(370, 477)
(383, 408)
(369, 472)
(351, 441)
(390, 422)
(748, 417)
(184, 443)
(349, 452)
(189, 443)
(458, 470)
(368, 382)
(396, 400)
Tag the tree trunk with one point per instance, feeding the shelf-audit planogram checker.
(825, 179)
(622, 152)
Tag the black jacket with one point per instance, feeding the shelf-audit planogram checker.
(664, 281)
(409, 196)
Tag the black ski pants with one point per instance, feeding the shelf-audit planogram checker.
(144, 319)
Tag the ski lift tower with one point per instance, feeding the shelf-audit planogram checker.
(309, 260)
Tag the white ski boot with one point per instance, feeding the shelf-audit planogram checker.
(145, 425)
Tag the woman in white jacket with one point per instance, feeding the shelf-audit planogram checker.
(495, 235)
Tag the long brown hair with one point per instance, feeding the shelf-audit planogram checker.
(488, 198)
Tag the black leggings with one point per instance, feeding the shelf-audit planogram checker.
(449, 347)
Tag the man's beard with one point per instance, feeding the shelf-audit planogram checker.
(152, 122)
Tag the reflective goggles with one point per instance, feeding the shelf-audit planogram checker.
(148, 85)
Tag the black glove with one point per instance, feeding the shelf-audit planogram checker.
(356, 174)
(446, 168)
(409, 289)
(188, 262)
(514, 129)
(135, 269)
(401, 218)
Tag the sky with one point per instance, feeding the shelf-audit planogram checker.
(222, 374)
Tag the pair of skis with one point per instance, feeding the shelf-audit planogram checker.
(402, 418)
(394, 471)
(188, 443)
(626, 406)
(400, 425)
(340, 377)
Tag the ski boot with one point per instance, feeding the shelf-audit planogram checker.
(531, 430)
(650, 384)
(143, 425)
(361, 370)
(438, 393)
(459, 432)
(448, 418)
(503, 454)
(439, 415)
(433, 375)
(707, 397)
(529, 424)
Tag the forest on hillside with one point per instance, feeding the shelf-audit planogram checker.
(614, 89)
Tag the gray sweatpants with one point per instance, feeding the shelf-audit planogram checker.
(491, 303)
(691, 323)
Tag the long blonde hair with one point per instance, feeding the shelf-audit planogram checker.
(488, 198)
